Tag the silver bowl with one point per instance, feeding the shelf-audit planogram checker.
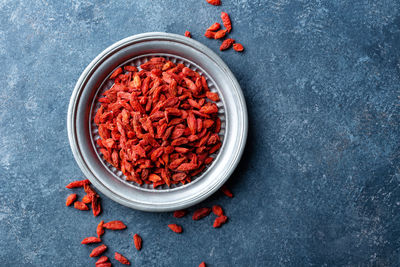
(82, 132)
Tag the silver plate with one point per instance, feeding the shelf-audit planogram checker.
(135, 50)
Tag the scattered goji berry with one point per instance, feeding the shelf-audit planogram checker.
(220, 34)
(238, 47)
(104, 264)
(96, 207)
(102, 259)
(70, 199)
(98, 250)
(201, 213)
(215, 27)
(80, 206)
(90, 240)
(217, 210)
(220, 221)
(76, 184)
(137, 240)
(209, 34)
(121, 259)
(226, 21)
(116, 73)
(179, 213)
(187, 34)
(114, 225)
(226, 191)
(175, 228)
(214, 2)
(203, 264)
(100, 229)
(86, 199)
(226, 44)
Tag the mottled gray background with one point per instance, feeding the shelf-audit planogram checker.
(319, 180)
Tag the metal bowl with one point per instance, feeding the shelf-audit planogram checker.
(135, 50)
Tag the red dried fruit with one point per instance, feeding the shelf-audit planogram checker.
(187, 34)
(226, 191)
(90, 240)
(102, 259)
(203, 264)
(80, 206)
(238, 47)
(220, 34)
(176, 228)
(220, 221)
(179, 213)
(104, 264)
(214, 2)
(217, 210)
(137, 240)
(215, 27)
(130, 68)
(116, 73)
(98, 250)
(114, 225)
(96, 207)
(70, 199)
(121, 259)
(86, 199)
(209, 34)
(76, 184)
(201, 213)
(226, 21)
(226, 44)
(100, 229)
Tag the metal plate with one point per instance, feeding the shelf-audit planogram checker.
(135, 50)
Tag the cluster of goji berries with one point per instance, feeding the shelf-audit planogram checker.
(215, 31)
(158, 125)
(98, 251)
(90, 197)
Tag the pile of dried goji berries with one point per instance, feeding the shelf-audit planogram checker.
(215, 31)
(158, 125)
(98, 251)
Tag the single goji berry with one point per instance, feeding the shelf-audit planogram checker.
(86, 199)
(96, 207)
(187, 34)
(104, 264)
(217, 210)
(102, 259)
(226, 44)
(98, 250)
(137, 240)
(215, 27)
(238, 47)
(179, 213)
(80, 206)
(220, 221)
(121, 259)
(209, 34)
(175, 228)
(90, 240)
(201, 213)
(114, 225)
(226, 21)
(220, 34)
(116, 73)
(77, 184)
(70, 199)
(214, 2)
(226, 191)
(203, 264)
(100, 229)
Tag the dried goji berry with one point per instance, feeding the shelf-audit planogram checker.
(179, 213)
(121, 259)
(238, 47)
(220, 34)
(96, 207)
(214, 2)
(176, 228)
(70, 199)
(86, 199)
(226, 21)
(187, 34)
(114, 225)
(100, 229)
(217, 210)
(215, 27)
(90, 240)
(98, 250)
(220, 221)
(203, 264)
(226, 44)
(116, 73)
(102, 259)
(77, 184)
(104, 264)
(209, 34)
(80, 206)
(137, 240)
(201, 213)
(226, 191)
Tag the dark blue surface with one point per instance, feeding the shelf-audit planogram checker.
(319, 180)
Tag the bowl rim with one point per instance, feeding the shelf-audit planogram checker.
(97, 61)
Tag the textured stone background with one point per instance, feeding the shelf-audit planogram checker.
(319, 181)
